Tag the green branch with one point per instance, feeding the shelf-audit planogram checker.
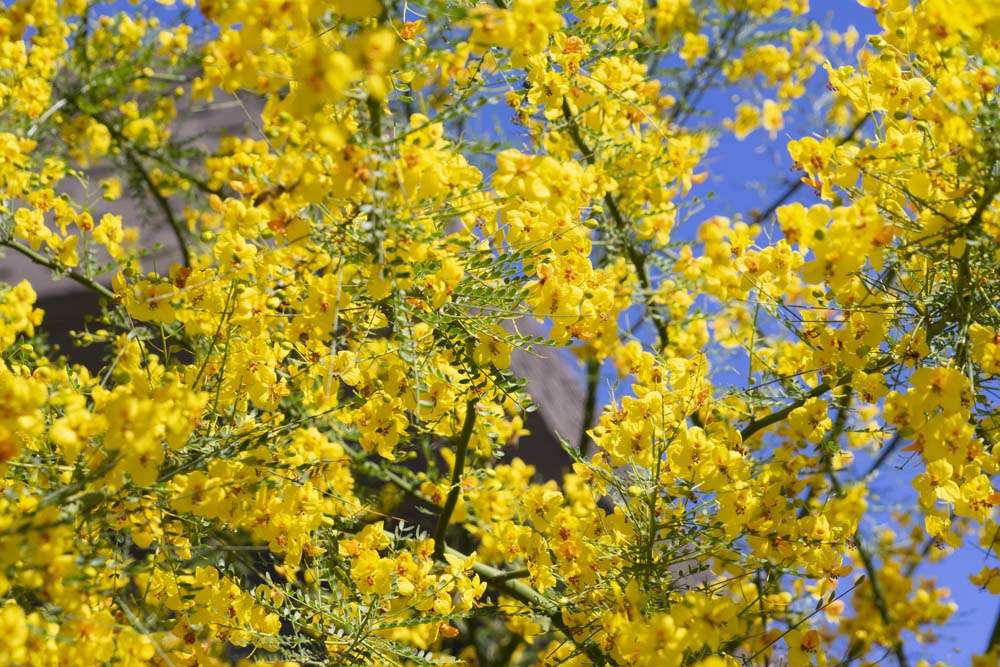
(590, 406)
(501, 582)
(126, 144)
(164, 205)
(458, 469)
(995, 635)
(778, 415)
(72, 274)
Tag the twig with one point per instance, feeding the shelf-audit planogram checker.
(885, 454)
(72, 274)
(500, 581)
(879, 598)
(124, 142)
(797, 185)
(778, 415)
(804, 619)
(933, 329)
(995, 635)
(758, 424)
(685, 104)
(164, 205)
(590, 406)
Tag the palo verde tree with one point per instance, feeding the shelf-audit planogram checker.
(330, 349)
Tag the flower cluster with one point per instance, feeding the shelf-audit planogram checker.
(296, 447)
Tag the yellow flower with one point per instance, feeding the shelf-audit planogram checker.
(771, 117)
(695, 47)
(747, 120)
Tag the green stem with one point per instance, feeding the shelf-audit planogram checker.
(590, 406)
(884, 362)
(995, 635)
(520, 573)
(76, 276)
(879, 598)
(164, 205)
(500, 581)
(778, 415)
(123, 142)
(733, 645)
(458, 469)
